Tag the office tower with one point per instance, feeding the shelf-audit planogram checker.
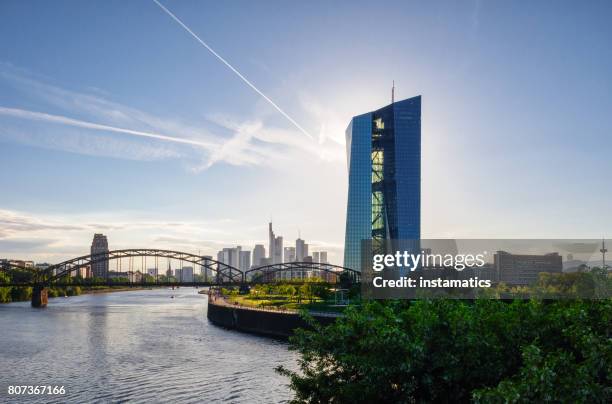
(223, 256)
(323, 257)
(276, 246)
(245, 261)
(205, 269)
(315, 256)
(184, 274)
(301, 250)
(278, 250)
(230, 256)
(259, 253)
(289, 254)
(234, 257)
(523, 269)
(187, 274)
(271, 242)
(384, 165)
(237, 257)
(99, 249)
(207, 261)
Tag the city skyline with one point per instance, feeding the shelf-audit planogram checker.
(177, 143)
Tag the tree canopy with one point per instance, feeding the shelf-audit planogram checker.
(459, 351)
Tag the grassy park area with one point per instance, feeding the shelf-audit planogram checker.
(312, 294)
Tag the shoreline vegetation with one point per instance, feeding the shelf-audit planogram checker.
(73, 286)
(23, 294)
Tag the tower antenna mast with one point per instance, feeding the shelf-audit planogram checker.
(393, 92)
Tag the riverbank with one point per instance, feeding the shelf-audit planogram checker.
(261, 321)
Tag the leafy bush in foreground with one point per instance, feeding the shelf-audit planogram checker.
(458, 351)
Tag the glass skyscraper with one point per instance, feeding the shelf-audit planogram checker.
(383, 150)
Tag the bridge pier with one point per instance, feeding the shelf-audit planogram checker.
(40, 296)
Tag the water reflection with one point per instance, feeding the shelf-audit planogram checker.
(139, 346)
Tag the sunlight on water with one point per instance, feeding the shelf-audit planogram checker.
(139, 346)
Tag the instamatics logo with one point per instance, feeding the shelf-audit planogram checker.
(404, 259)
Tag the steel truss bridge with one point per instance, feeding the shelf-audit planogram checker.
(221, 274)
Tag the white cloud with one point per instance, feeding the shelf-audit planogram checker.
(49, 237)
(251, 141)
(59, 119)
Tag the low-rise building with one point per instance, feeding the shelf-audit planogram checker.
(523, 269)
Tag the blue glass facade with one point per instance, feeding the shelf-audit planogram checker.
(384, 165)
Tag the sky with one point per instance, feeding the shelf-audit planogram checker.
(114, 119)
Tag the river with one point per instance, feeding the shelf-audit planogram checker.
(136, 346)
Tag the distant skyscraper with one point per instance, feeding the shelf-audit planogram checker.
(238, 256)
(315, 256)
(276, 246)
(245, 260)
(230, 256)
(259, 253)
(278, 250)
(204, 271)
(289, 254)
(184, 274)
(99, 265)
(384, 164)
(323, 257)
(271, 240)
(301, 250)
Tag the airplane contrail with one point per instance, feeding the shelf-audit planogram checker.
(225, 62)
(59, 119)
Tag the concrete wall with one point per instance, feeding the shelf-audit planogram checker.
(270, 323)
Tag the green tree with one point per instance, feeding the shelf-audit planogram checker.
(19, 294)
(5, 292)
(435, 351)
(73, 290)
(307, 291)
(320, 290)
(21, 276)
